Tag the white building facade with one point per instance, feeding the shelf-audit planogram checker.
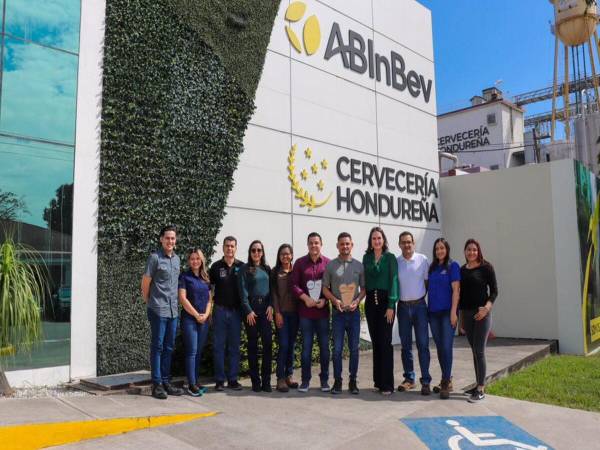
(343, 138)
(487, 134)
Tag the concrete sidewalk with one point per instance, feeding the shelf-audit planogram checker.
(296, 421)
(319, 420)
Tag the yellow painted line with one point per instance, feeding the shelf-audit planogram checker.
(41, 435)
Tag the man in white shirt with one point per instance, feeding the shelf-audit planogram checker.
(413, 271)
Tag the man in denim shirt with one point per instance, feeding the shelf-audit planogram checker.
(159, 291)
(344, 287)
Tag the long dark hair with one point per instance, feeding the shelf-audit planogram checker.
(263, 261)
(281, 248)
(385, 241)
(435, 263)
(480, 258)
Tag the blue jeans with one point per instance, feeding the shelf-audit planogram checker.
(443, 335)
(308, 328)
(227, 335)
(163, 330)
(287, 341)
(349, 323)
(194, 338)
(410, 316)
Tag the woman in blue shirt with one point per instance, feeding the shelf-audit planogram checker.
(444, 290)
(256, 306)
(195, 298)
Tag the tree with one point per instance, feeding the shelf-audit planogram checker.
(59, 214)
(11, 206)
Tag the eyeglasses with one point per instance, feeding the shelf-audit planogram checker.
(256, 250)
(406, 242)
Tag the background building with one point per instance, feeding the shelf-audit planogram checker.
(488, 134)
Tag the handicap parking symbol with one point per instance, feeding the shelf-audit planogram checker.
(473, 432)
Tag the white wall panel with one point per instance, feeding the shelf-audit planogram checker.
(405, 134)
(359, 10)
(260, 179)
(330, 109)
(273, 94)
(406, 22)
(278, 41)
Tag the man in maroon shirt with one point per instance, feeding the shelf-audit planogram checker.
(313, 309)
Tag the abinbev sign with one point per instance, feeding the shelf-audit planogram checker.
(357, 54)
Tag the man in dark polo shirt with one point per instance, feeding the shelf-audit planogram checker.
(313, 309)
(159, 291)
(227, 319)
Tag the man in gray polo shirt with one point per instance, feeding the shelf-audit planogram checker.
(344, 287)
(159, 291)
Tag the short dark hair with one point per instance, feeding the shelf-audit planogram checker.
(343, 235)
(164, 229)
(314, 234)
(229, 238)
(406, 233)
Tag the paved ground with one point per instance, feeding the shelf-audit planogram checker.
(313, 420)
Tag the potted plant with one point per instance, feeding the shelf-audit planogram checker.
(23, 285)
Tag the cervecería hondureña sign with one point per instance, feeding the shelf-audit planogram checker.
(399, 194)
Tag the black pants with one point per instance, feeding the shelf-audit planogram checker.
(477, 334)
(262, 328)
(381, 338)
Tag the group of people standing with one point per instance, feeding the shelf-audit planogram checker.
(302, 295)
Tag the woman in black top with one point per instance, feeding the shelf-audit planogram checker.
(478, 291)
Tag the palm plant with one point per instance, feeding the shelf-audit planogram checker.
(23, 285)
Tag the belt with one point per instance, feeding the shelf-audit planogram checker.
(412, 302)
(258, 300)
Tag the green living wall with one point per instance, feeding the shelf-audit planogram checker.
(178, 90)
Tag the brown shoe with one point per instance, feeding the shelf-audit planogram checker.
(282, 385)
(445, 389)
(425, 389)
(438, 388)
(406, 385)
(291, 383)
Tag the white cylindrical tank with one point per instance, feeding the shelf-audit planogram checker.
(576, 20)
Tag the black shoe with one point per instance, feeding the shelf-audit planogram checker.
(158, 391)
(172, 390)
(470, 392)
(337, 387)
(234, 385)
(256, 387)
(476, 396)
(353, 387)
(266, 386)
(194, 391)
(219, 386)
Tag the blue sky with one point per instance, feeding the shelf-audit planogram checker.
(478, 42)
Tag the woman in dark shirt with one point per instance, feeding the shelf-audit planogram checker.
(256, 305)
(195, 298)
(478, 291)
(381, 283)
(286, 317)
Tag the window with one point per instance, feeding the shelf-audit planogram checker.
(491, 119)
(38, 92)
(37, 142)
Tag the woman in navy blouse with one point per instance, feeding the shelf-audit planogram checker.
(195, 298)
(444, 288)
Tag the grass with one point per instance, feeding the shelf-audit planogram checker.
(563, 380)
